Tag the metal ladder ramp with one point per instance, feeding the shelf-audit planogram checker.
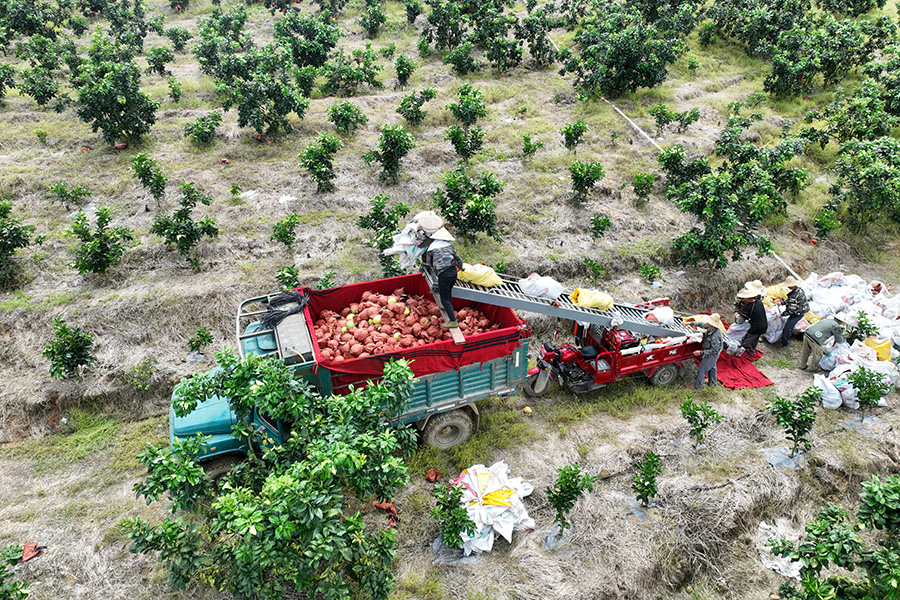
(510, 295)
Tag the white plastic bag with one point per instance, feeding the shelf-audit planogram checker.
(544, 287)
(831, 397)
(664, 315)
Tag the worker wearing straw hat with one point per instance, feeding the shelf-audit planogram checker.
(795, 307)
(441, 257)
(754, 312)
(712, 347)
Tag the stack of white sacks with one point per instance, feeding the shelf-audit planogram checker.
(846, 294)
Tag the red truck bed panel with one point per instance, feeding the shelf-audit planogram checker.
(430, 358)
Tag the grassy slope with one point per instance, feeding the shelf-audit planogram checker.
(152, 303)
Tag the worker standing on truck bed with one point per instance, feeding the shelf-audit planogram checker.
(440, 256)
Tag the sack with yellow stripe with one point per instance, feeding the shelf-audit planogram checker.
(592, 299)
(479, 275)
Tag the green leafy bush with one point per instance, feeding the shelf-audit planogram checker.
(619, 54)
(643, 185)
(413, 10)
(157, 58)
(461, 61)
(504, 54)
(13, 235)
(394, 143)
(584, 176)
(318, 160)
(650, 273)
(111, 100)
(388, 51)
(140, 376)
(327, 280)
(102, 248)
(405, 66)
(284, 230)
(7, 78)
(288, 277)
(203, 129)
(665, 116)
(39, 84)
(571, 483)
(310, 38)
(452, 517)
(10, 588)
(175, 88)
(384, 224)
(245, 539)
(179, 37)
(535, 30)
(832, 541)
(870, 386)
(596, 271)
(347, 117)
(372, 18)
(68, 351)
(699, 417)
(467, 204)
(529, 147)
(445, 27)
(466, 142)
(599, 225)
(643, 482)
(346, 73)
(146, 170)
(201, 340)
(411, 105)
(797, 416)
(69, 197)
(180, 230)
(470, 105)
(572, 134)
(864, 328)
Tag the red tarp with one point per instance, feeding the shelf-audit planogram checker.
(737, 372)
(430, 358)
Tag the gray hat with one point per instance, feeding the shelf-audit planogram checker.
(429, 220)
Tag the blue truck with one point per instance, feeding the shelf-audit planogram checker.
(450, 377)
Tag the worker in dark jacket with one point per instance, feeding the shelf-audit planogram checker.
(815, 337)
(440, 256)
(795, 307)
(712, 347)
(754, 313)
(741, 308)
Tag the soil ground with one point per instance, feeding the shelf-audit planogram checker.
(66, 464)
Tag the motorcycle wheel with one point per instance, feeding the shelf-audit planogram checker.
(537, 385)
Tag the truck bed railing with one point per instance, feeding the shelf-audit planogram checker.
(292, 340)
(510, 295)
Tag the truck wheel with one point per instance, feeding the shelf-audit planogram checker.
(537, 385)
(664, 375)
(220, 466)
(449, 429)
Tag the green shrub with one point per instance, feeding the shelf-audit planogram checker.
(157, 58)
(288, 277)
(68, 351)
(467, 204)
(643, 185)
(327, 280)
(870, 386)
(388, 51)
(180, 230)
(372, 18)
(699, 417)
(470, 105)
(461, 61)
(584, 176)
(570, 485)
(572, 134)
(863, 329)
(643, 482)
(147, 171)
(466, 142)
(179, 37)
(111, 100)
(318, 160)
(7, 78)
(10, 588)
(413, 10)
(650, 273)
(405, 67)
(13, 235)
(203, 129)
(384, 223)
(452, 517)
(174, 89)
(599, 226)
(797, 416)
(346, 117)
(39, 84)
(102, 248)
(529, 147)
(75, 197)
(410, 107)
(201, 340)
(140, 376)
(346, 73)
(284, 230)
(394, 143)
(596, 270)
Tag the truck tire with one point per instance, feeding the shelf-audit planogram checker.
(448, 429)
(220, 466)
(665, 375)
(537, 385)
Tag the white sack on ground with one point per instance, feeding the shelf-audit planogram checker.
(493, 500)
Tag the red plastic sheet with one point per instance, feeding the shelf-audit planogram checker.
(430, 358)
(737, 372)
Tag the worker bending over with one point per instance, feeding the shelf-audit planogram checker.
(440, 256)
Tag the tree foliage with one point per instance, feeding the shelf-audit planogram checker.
(410, 107)
(13, 236)
(347, 72)
(699, 417)
(619, 52)
(180, 230)
(797, 416)
(571, 483)
(111, 100)
(146, 170)
(69, 350)
(467, 204)
(102, 248)
(395, 143)
(469, 106)
(11, 588)
(452, 517)
(384, 224)
(318, 160)
(584, 176)
(289, 496)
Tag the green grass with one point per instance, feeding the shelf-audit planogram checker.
(418, 587)
(621, 400)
